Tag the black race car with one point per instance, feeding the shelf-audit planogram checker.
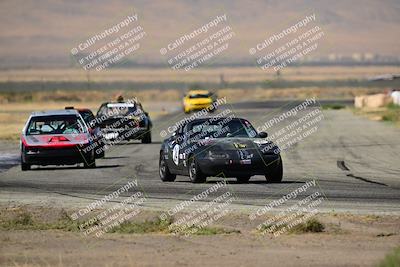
(225, 147)
(124, 121)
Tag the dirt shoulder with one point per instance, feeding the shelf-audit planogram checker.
(389, 114)
(346, 240)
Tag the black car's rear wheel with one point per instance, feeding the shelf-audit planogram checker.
(100, 153)
(243, 179)
(146, 138)
(165, 174)
(275, 175)
(195, 174)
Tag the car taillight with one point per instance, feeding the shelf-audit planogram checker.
(58, 139)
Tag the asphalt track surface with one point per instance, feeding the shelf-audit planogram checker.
(354, 161)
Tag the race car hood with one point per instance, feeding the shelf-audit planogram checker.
(112, 121)
(238, 143)
(121, 122)
(55, 140)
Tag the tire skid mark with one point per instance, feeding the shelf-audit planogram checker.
(8, 160)
(342, 165)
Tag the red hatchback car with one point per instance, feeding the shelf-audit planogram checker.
(57, 137)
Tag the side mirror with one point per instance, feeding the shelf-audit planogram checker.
(176, 136)
(262, 135)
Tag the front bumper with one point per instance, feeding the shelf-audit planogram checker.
(56, 156)
(124, 134)
(234, 167)
(194, 107)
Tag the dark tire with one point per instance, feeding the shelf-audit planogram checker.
(146, 138)
(25, 166)
(89, 164)
(243, 179)
(90, 161)
(165, 174)
(101, 154)
(195, 174)
(275, 175)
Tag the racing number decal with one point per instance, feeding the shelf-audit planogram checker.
(175, 154)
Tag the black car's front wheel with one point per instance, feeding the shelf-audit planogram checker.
(275, 174)
(195, 173)
(165, 174)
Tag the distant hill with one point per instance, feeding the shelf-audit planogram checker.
(42, 32)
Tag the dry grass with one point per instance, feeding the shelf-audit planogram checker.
(390, 114)
(84, 98)
(25, 220)
(392, 259)
(294, 93)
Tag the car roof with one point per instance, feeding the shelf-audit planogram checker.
(123, 102)
(55, 112)
(215, 119)
(83, 110)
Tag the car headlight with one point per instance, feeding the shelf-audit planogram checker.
(217, 155)
(261, 141)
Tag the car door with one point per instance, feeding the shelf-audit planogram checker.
(176, 151)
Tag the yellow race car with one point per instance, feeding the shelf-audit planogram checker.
(198, 100)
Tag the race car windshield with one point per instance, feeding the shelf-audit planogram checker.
(217, 129)
(199, 96)
(118, 110)
(87, 116)
(69, 124)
